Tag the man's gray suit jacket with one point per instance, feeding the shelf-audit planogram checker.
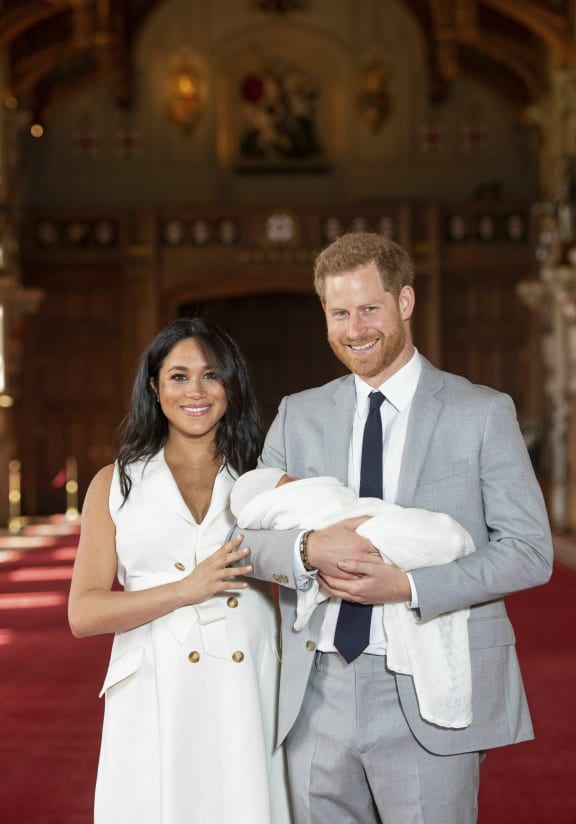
(464, 455)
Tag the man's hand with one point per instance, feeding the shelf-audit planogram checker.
(372, 582)
(339, 542)
(351, 567)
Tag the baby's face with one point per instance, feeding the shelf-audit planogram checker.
(286, 479)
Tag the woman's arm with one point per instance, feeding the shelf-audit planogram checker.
(93, 608)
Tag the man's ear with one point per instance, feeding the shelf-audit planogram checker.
(406, 302)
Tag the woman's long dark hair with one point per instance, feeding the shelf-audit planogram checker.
(145, 429)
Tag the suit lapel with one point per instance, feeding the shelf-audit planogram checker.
(424, 413)
(338, 429)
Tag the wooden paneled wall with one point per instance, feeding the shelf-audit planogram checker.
(105, 300)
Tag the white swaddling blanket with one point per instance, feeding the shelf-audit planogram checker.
(436, 652)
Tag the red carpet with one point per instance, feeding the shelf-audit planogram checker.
(51, 716)
(535, 782)
(50, 712)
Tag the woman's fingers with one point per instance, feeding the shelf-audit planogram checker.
(218, 572)
(229, 555)
(231, 584)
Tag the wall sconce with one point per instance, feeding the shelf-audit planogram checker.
(374, 100)
(184, 98)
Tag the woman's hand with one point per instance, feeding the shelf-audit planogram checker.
(95, 608)
(215, 574)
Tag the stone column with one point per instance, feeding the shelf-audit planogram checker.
(553, 291)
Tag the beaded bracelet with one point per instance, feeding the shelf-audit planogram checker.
(304, 550)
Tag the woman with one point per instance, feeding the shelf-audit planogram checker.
(191, 688)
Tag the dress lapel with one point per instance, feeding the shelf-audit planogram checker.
(163, 487)
(220, 494)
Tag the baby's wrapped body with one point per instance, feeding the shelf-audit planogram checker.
(435, 653)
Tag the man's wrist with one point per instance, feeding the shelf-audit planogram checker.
(303, 550)
(413, 602)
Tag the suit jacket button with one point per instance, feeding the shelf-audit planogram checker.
(232, 602)
(238, 656)
(310, 646)
(179, 565)
(194, 657)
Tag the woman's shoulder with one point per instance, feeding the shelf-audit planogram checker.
(98, 490)
(103, 478)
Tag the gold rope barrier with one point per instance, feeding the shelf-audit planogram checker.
(15, 520)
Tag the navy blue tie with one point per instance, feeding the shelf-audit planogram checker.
(352, 634)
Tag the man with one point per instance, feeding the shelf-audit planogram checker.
(358, 749)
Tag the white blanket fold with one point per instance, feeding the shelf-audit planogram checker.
(435, 653)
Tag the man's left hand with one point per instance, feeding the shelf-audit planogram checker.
(375, 582)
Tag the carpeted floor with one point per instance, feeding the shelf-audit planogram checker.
(50, 715)
(535, 782)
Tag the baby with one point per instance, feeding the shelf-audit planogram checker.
(435, 653)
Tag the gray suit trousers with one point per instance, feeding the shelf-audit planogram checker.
(352, 758)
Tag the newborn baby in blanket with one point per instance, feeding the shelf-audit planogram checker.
(435, 653)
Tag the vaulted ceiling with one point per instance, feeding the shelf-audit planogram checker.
(55, 46)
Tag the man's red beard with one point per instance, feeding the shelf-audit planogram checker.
(387, 349)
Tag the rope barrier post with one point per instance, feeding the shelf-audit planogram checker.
(71, 488)
(14, 496)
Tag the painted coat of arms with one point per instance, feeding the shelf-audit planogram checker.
(279, 110)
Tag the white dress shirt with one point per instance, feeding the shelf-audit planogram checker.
(398, 391)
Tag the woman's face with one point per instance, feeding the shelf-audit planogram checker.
(190, 391)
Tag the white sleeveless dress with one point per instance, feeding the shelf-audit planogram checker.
(190, 715)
